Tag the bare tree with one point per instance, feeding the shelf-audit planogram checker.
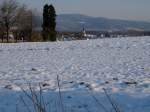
(26, 23)
(1, 33)
(8, 10)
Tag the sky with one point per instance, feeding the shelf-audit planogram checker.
(117, 9)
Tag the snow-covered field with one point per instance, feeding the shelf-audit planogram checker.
(120, 65)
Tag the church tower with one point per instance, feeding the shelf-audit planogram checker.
(84, 32)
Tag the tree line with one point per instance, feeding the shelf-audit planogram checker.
(18, 23)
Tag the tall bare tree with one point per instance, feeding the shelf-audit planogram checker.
(25, 22)
(8, 14)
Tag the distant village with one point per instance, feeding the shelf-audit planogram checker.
(86, 34)
(82, 35)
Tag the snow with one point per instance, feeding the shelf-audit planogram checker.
(120, 65)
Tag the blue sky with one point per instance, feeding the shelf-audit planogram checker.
(120, 9)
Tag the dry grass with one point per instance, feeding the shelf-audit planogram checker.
(39, 104)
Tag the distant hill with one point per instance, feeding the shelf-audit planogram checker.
(74, 22)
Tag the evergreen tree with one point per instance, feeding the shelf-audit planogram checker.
(49, 23)
(45, 22)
